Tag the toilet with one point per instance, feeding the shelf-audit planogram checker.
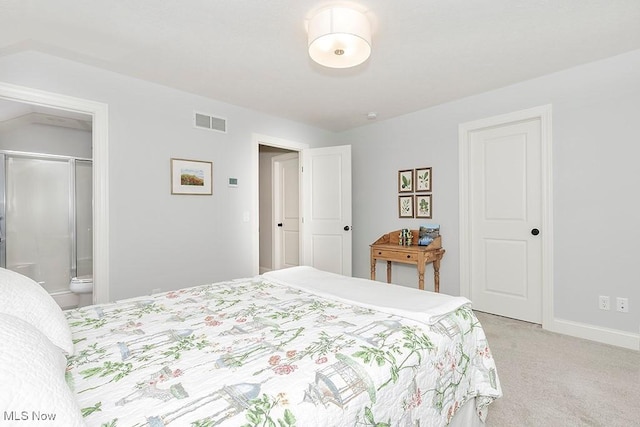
(81, 285)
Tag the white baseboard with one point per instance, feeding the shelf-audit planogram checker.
(595, 333)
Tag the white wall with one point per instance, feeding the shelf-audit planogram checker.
(159, 240)
(41, 138)
(596, 111)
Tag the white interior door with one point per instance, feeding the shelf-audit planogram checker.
(326, 208)
(286, 196)
(505, 219)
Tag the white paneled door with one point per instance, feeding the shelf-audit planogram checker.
(326, 213)
(286, 198)
(505, 215)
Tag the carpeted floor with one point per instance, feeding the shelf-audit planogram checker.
(550, 379)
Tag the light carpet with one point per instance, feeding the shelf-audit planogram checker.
(550, 379)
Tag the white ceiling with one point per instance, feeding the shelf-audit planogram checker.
(252, 53)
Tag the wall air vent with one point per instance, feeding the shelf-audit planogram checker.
(205, 121)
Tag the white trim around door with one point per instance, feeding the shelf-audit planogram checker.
(543, 114)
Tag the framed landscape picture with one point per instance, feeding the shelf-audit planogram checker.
(405, 181)
(405, 206)
(424, 206)
(191, 177)
(423, 179)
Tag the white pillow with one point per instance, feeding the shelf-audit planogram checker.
(24, 298)
(33, 384)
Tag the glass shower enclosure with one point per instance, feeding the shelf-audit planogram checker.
(46, 218)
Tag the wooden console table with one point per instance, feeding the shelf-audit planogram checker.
(387, 248)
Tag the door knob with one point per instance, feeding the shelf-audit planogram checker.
(535, 231)
(346, 228)
(279, 224)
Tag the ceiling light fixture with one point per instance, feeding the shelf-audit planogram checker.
(339, 37)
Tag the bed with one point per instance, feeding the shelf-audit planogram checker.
(294, 347)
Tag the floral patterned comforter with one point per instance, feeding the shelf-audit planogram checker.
(255, 352)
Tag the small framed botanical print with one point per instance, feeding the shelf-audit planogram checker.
(405, 181)
(423, 179)
(405, 206)
(191, 177)
(424, 206)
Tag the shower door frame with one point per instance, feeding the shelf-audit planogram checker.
(73, 231)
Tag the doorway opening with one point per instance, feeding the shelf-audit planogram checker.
(46, 198)
(324, 235)
(266, 148)
(98, 112)
(278, 207)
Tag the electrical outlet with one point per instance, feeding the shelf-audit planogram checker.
(603, 303)
(622, 304)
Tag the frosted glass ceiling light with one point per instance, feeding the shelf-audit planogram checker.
(339, 37)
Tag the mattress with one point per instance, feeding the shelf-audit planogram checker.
(295, 347)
